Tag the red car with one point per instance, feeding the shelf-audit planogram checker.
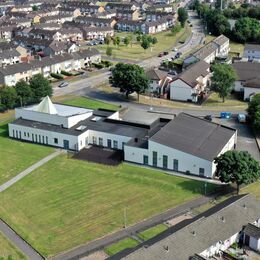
(160, 55)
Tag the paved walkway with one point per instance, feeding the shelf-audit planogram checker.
(98, 244)
(29, 170)
(19, 242)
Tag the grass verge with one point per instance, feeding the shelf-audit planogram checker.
(152, 232)
(89, 103)
(121, 245)
(8, 250)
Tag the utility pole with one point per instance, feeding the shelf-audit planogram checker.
(124, 217)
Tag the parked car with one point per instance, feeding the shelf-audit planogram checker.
(175, 49)
(172, 72)
(241, 118)
(208, 117)
(160, 54)
(165, 53)
(63, 84)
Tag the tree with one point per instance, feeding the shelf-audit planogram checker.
(223, 79)
(145, 44)
(107, 39)
(237, 167)
(247, 30)
(24, 92)
(40, 87)
(138, 37)
(116, 41)
(182, 16)
(129, 78)
(154, 40)
(175, 29)
(8, 97)
(35, 8)
(109, 51)
(126, 41)
(254, 111)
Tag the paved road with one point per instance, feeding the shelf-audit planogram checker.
(29, 170)
(98, 244)
(30, 252)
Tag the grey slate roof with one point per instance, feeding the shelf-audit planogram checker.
(6, 54)
(246, 70)
(193, 236)
(193, 72)
(252, 47)
(252, 231)
(156, 74)
(193, 135)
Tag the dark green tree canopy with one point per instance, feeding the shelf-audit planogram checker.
(24, 92)
(254, 111)
(109, 51)
(40, 86)
(129, 78)
(182, 16)
(237, 167)
(223, 79)
(7, 97)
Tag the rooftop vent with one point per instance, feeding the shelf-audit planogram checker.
(81, 128)
(222, 219)
(193, 233)
(166, 248)
(96, 118)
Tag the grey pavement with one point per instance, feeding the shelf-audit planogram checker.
(19, 242)
(99, 244)
(24, 173)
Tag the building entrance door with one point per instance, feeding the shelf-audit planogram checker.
(66, 144)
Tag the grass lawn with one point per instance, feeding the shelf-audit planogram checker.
(152, 232)
(89, 103)
(135, 52)
(121, 245)
(16, 156)
(69, 202)
(215, 101)
(8, 250)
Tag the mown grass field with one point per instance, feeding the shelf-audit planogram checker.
(166, 41)
(8, 250)
(68, 202)
(16, 156)
(121, 245)
(89, 103)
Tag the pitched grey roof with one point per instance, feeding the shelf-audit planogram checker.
(6, 54)
(246, 70)
(221, 39)
(156, 74)
(252, 47)
(193, 72)
(196, 235)
(193, 135)
(252, 231)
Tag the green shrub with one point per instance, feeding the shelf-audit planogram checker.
(107, 63)
(66, 73)
(98, 65)
(56, 76)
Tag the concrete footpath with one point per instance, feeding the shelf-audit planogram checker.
(19, 242)
(24, 173)
(99, 244)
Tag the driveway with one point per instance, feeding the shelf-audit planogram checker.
(245, 137)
